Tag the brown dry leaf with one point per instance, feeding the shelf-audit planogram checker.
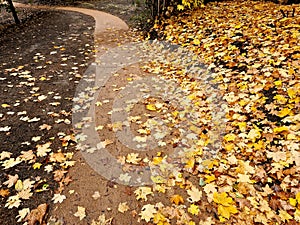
(59, 174)
(37, 215)
(66, 180)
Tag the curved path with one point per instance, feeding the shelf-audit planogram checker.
(104, 22)
(109, 31)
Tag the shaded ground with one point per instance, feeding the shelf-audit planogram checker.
(133, 13)
(42, 57)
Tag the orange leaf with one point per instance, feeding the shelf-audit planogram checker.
(177, 199)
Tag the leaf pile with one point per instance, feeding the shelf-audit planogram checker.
(253, 55)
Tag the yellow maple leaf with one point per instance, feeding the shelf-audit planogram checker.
(278, 82)
(210, 163)
(193, 209)
(280, 129)
(157, 160)
(222, 199)
(298, 197)
(242, 126)
(190, 163)
(160, 219)
(280, 99)
(229, 137)
(196, 41)
(209, 178)
(36, 166)
(293, 201)
(284, 112)
(297, 215)
(151, 107)
(284, 215)
(225, 211)
(229, 147)
(177, 199)
(291, 93)
(180, 7)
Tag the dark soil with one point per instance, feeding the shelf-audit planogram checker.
(54, 53)
(133, 12)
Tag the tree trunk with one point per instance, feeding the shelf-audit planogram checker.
(13, 11)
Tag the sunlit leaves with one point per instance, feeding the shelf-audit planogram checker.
(225, 204)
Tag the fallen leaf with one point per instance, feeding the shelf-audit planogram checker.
(37, 215)
(58, 198)
(4, 192)
(123, 207)
(195, 194)
(177, 199)
(80, 212)
(11, 180)
(142, 192)
(96, 195)
(147, 212)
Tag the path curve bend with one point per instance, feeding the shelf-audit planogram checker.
(103, 21)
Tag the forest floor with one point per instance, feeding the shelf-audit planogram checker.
(218, 127)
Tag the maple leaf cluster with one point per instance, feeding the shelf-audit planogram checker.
(253, 56)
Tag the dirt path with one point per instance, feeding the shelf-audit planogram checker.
(103, 21)
(109, 31)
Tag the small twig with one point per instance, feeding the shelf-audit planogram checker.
(293, 14)
(283, 14)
